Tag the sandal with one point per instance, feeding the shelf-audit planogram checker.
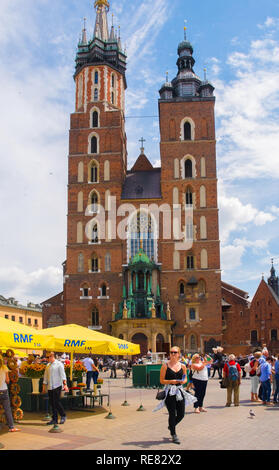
(14, 430)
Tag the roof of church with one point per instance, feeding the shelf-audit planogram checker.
(142, 164)
(142, 185)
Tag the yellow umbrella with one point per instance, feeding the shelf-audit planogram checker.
(78, 339)
(16, 335)
(17, 352)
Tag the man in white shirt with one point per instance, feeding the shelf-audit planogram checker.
(90, 367)
(54, 379)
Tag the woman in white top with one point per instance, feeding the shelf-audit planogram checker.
(4, 395)
(200, 379)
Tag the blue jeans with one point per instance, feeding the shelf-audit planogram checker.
(5, 401)
(266, 387)
(277, 387)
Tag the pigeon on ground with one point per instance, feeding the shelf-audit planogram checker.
(252, 414)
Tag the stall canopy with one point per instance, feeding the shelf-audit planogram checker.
(16, 335)
(78, 339)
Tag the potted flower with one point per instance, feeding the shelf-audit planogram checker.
(35, 372)
(99, 383)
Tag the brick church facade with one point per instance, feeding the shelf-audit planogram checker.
(143, 255)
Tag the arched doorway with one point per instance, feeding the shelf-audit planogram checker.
(141, 339)
(159, 343)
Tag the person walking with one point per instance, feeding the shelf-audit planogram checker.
(265, 379)
(199, 369)
(232, 371)
(173, 376)
(255, 380)
(54, 379)
(4, 395)
(92, 371)
(276, 370)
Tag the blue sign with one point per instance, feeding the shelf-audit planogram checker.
(71, 343)
(23, 338)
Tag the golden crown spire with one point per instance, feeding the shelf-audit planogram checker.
(99, 3)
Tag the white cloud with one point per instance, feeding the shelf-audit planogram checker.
(34, 286)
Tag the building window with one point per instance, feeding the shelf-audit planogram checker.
(94, 173)
(95, 317)
(112, 97)
(112, 80)
(181, 289)
(29, 321)
(189, 197)
(190, 262)
(96, 78)
(94, 202)
(107, 262)
(142, 233)
(273, 335)
(95, 119)
(187, 131)
(95, 237)
(192, 314)
(254, 336)
(96, 94)
(103, 290)
(20, 319)
(188, 168)
(85, 292)
(13, 318)
(93, 147)
(36, 322)
(94, 264)
(7, 317)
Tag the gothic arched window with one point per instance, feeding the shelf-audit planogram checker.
(95, 119)
(95, 317)
(188, 169)
(142, 231)
(93, 147)
(187, 131)
(96, 78)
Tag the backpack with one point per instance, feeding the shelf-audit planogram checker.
(233, 372)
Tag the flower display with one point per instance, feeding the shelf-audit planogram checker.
(78, 370)
(35, 371)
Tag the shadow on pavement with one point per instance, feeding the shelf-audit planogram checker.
(147, 444)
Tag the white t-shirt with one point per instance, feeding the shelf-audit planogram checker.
(3, 371)
(88, 363)
(201, 374)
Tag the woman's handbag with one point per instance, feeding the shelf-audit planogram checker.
(224, 382)
(161, 394)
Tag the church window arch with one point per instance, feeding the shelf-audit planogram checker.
(96, 94)
(188, 167)
(95, 320)
(107, 262)
(93, 172)
(187, 129)
(95, 118)
(142, 231)
(96, 77)
(94, 201)
(189, 199)
(94, 263)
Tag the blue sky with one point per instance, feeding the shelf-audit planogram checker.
(238, 43)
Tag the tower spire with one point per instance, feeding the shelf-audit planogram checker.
(84, 35)
(101, 24)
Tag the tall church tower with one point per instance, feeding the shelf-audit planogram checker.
(191, 276)
(96, 169)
